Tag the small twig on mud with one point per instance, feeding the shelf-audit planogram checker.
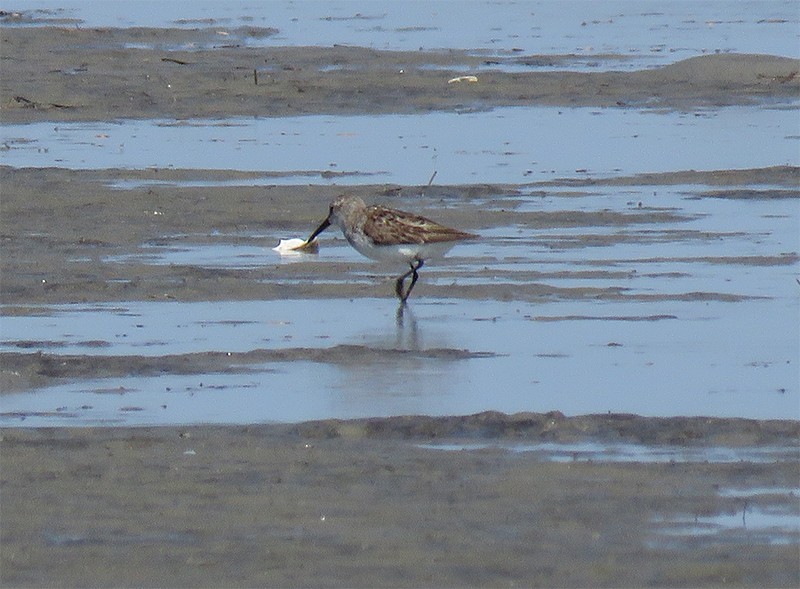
(28, 103)
(173, 60)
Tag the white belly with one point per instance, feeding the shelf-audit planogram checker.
(405, 252)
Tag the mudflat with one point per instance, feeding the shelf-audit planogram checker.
(370, 503)
(357, 503)
(73, 74)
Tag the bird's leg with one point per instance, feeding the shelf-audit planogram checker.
(398, 288)
(414, 275)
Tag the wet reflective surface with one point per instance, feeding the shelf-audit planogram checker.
(593, 288)
(610, 370)
(662, 358)
(678, 303)
(634, 35)
(506, 145)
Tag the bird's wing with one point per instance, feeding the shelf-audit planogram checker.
(386, 226)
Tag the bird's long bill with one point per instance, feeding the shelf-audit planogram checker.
(323, 226)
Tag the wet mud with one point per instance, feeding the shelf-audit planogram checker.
(368, 503)
(99, 226)
(358, 502)
(143, 73)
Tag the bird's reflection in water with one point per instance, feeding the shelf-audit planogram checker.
(407, 334)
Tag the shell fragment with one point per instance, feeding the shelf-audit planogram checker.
(459, 79)
(296, 246)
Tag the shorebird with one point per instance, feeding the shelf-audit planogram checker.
(390, 235)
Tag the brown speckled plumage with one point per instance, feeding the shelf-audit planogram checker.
(386, 226)
(387, 234)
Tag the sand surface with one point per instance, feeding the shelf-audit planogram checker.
(362, 504)
(339, 503)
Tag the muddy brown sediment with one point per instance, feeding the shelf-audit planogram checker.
(72, 74)
(22, 371)
(89, 255)
(349, 504)
(344, 503)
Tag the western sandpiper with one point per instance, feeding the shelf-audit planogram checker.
(390, 235)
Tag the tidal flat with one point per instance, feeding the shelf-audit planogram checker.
(601, 391)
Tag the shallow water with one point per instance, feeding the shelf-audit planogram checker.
(690, 360)
(687, 317)
(766, 515)
(506, 145)
(599, 452)
(650, 33)
(693, 314)
(745, 527)
(742, 248)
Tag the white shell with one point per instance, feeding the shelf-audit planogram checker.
(459, 79)
(295, 246)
